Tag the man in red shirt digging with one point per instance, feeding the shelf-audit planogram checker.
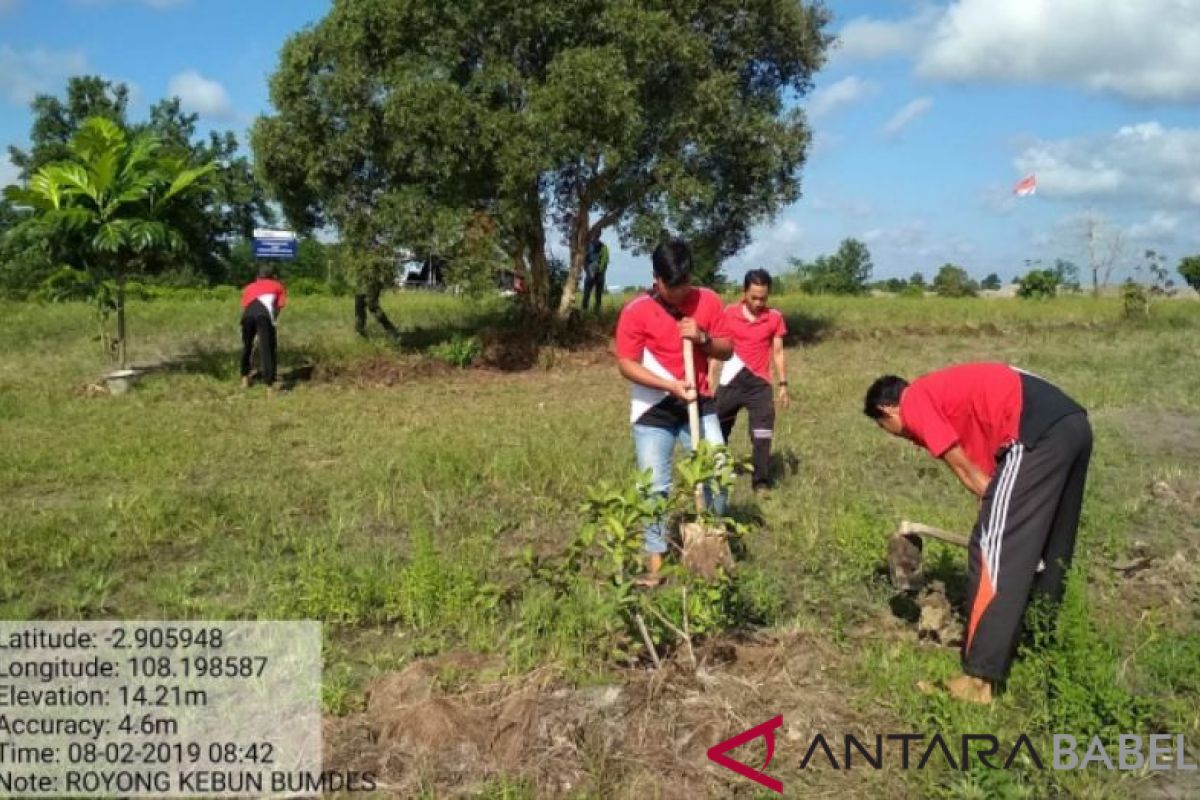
(745, 379)
(262, 300)
(649, 348)
(1022, 447)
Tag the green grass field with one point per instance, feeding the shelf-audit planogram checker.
(393, 509)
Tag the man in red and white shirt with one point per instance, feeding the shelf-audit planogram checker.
(1022, 447)
(649, 350)
(262, 300)
(745, 379)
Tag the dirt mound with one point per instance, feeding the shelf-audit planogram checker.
(1168, 586)
(646, 736)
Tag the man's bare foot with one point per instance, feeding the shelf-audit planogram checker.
(970, 689)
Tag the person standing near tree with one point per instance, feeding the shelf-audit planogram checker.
(745, 379)
(595, 265)
(262, 300)
(1022, 447)
(649, 350)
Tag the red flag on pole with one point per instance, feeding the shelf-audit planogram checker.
(1026, 186)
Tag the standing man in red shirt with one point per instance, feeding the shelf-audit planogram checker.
(745, 379)
(1022, 447)
(649, 349)
(262, 300)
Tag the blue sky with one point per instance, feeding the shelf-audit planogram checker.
(923, 120)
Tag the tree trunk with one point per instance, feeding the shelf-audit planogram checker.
(1091, 240)
(121, 351)
(579, 243)
(539, 269)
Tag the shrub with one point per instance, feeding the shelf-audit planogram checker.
(1038, 284)
(459, 351)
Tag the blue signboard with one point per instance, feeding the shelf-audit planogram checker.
(274, 244)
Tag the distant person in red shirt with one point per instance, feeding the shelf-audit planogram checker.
(745, 379)
(649, 349)
(262, 300)
(1022, 447)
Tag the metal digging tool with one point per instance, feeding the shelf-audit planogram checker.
(705, 547)
(904, 552)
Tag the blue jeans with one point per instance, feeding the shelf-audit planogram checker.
(654, 448)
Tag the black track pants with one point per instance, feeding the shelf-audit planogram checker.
(752, 393)
(1030, 515)
(256, 322)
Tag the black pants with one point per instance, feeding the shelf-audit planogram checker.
(1030, 515)
(593, 283)
(752, 393)
(256, 322)
(369, 301)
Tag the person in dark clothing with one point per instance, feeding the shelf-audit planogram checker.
(595, 265)
(262, 300)
(1022, 447)
(744, 381)
(367, 299)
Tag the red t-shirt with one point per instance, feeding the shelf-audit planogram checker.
(649, 335)
(976, 406)
(753, 340)
(269, 290)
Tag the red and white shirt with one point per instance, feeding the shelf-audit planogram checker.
(753, 340)
(649, 335)
(976, 406)
(267, 291)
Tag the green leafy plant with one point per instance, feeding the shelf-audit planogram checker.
(109, 194)
(606, 558)
(459, 351)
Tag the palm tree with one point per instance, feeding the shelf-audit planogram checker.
(108, 196)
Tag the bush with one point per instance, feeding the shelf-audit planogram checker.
(1038, 284)
(64, 285)
(1189, 268)
(1135, 301)
(309, 286)
(459, 351)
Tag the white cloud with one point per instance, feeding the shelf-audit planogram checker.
(907, 115)
(865, 38)
(199, 95)
(841, 94)
(1143, 164)
(1161, 226)
(25, 74)
(1143, 50)
(908, 247)
(772, 245)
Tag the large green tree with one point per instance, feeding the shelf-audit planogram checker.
(109, 195)
(209, 221)
(547, 116)
(953, 281)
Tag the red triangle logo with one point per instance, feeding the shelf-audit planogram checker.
(766, 730)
